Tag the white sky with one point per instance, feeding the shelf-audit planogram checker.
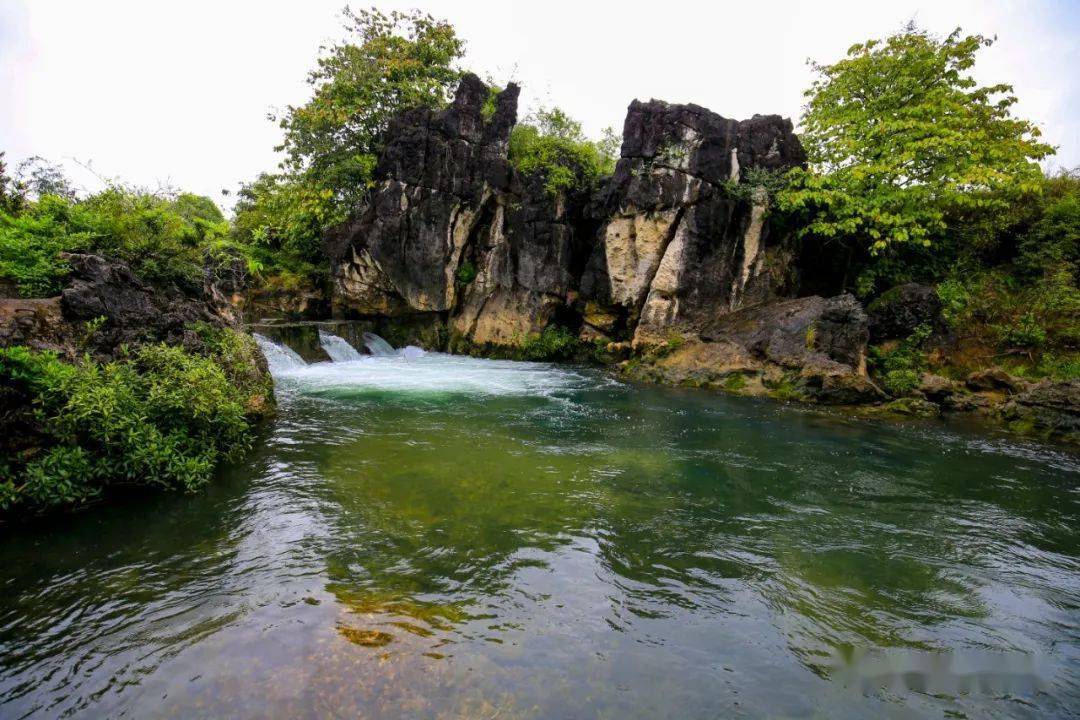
(177, 93)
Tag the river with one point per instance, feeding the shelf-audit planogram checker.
(441, 537)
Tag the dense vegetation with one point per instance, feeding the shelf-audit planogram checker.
(919, 174)
(160, 416)
(389, 62)
(165, 237)
(552, 144)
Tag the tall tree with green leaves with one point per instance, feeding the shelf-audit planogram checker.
(901, 140)
(387, 63)
(398, 60)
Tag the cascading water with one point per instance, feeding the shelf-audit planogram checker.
(279, 357)
(377, 346)
(338, 348)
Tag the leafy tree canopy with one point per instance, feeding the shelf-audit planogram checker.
(401, 59)
(388, 63)
(552, 143)
(901, 139)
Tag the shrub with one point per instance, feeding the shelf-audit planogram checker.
(554, 343)
(552, 145)
(160, 416)
(466, 273)
(163, 237)
(901, 366)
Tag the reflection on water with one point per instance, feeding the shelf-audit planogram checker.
(446, 537)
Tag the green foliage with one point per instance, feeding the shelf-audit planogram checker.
(466, 273)
(554, 343)
(900, 367)
(397, 60)
(389, 62)
(159, 417)
(735, 382)
(553, 145)
(1051, 246)
(954, 299)
(163, 237)
(902, 139)
(12, 192)
(279, 223)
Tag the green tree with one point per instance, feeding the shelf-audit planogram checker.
(402, 59)
(12, 192)
(902, 141)
(552, 143)
(389, 62)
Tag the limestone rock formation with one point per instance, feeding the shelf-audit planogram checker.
(438, 177)
(685, 238)
(676, 244)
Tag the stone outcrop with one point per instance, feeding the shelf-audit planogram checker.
(1050, 407)
(807, 348)
(103, 307)
(439, 175)
(899, 311)
(677, 238)
(685, 238)
(676, 245)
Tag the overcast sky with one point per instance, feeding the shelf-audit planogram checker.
(177, 92)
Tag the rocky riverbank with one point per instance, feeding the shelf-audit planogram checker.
(673, 268)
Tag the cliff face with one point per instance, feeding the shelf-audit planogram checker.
(685, 240)
(677, 243)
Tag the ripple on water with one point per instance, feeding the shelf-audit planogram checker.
(451, 537)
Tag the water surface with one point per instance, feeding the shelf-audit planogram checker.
(444, 537)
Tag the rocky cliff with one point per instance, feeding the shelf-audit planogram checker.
(677, 243)
(673, 266)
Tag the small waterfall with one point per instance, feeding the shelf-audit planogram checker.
(338, 348)
(279, 357)
(411, 352)
(377, 346)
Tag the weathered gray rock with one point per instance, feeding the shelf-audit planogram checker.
(1049, 407)
(898, 312)
(438, 177)
(813, 346)
(995, 379)
(682, 242)
(134, 312)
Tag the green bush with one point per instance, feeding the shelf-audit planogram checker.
(160, 416)
(554, 343)
(900, 367)
(164, 238)
(553, 145)
(466, 273)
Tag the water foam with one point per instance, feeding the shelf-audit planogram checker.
(279, 358)
(431, 373)
(338, 348)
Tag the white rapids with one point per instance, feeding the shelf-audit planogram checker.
(412, 370)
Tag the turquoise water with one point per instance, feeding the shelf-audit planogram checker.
(446, 537)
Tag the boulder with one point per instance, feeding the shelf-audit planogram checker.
(898, 312)
(1050, 407)
(936, 388)
(133, 311)
(995, 379)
